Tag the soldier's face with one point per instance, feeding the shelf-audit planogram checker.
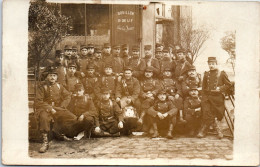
(128, 74)
(135, 53)
(148, 74)
(158, 55)
(72, 70)
(108, 71)
(90, 50)
(167, 73)
(52, 78)
(91, 71)
(107, 50)
(180, 56)
(148, 52)
(116, 51)
(98, 55)
(59, 59)
(162, 97)
(193, 93)
(212, 65)
(105, 96)
(74, 53)
(84, 51)
(166, 54)
(192, 73)
(68, 52)
(80, 92)
(125, 51)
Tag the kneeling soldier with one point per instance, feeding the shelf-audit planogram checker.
(110, 116)
(83, 107)
(192, 110)
(163, 112)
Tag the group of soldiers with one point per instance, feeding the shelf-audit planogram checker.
(111, 92)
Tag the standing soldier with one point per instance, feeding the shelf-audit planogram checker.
(118, 64)
(158, 55)
(135, 62)
(215, 83)
(149, 61)
(125, 53)
(182, 66)
(51, 102)
(83, 58)
(67, 54)
(110, 116)
(71, 79)
(166, 62)
(98, 61)
(192, 110)
(60, 68)
(90, 81)
(127, 92)
(149, 89)
(85, 111)
(107, 58)
(163, 112)
(192, 79)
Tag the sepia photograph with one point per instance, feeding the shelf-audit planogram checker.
(136, 82)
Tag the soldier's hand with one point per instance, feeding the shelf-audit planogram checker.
(197, 109)
(82, 74)
(165, 115)
(53, 111)
(170, 97)
(81, 118)
(160, 115)
(97, 129)
(117, 99)
(120, 125)
(177, 96)
(218, 89)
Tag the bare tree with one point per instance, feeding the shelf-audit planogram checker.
(193, 36)
(228, 43)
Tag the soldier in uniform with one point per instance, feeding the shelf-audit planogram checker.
(125, 53)
(107, 58)
(166, 62)
(192, 110)
(67, 54)
(71, 79)
(90, 81)
(182, 66)
(149, 61)
(159, 47)
(163, 112)
(110, 116)
(118, 63)
(149, 90)
(98, 61)
(85, 111)
(192, 79)
(83, 58)
(127, 92)
(60, 68)
(214, 84)
(75, 57)
(108, 80)
(158, 55)
(51, 102)
(135, 62)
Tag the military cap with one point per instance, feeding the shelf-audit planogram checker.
(58, 53)
(147, 47)
(116, 46)
(125, 46)
(181, 50)
(162, 91)
(108, 65)
(78, 86)
(158, 45)
(212, 59)
(167, 69)
(72, 65)
(193, 87)
(128, 68)
(157, 50)
(90, 66)
(98, 50)
(52, 70)
(107, 45)
(149, 69)
(135, 48)
(191, 68)
(165, 50)
(68, 47)
(105, 90)
(74, 48)
(83, 47)
(90, 45)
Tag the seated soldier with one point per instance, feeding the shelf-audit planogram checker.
(83, 107)
(192, 110)
(110, 116)
(163, 112)
(108, 80)
(51, 102)
(149, 89)
(90, 81)
(192, 79)
(71, 79)
(127, 92)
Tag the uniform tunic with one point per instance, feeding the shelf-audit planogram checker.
(134, 63)
(108, 82)
(188, 83)
(118, 65)
(167, 63)
(71, 81)
(62, 72)
(154, 64)
(89, 83)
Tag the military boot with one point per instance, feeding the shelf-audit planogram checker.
(155, 133)
(169, 134)
(202, 132)
(218, 129)
(45, 144)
